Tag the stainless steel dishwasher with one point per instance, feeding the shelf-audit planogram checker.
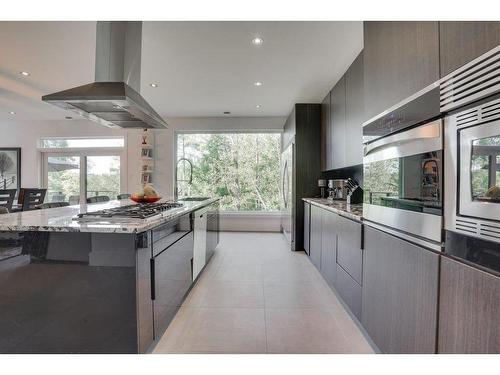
(200, 240)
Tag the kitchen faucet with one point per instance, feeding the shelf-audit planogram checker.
(189, 181)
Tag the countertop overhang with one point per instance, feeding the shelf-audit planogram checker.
(61, 219)
(350, 211)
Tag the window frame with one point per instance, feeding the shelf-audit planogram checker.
(83, 153)
(225, 131)
(41, 139)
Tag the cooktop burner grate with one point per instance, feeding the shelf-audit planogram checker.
(133, 211)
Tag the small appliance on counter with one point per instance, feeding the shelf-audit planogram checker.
(344, 189)
(321, 185)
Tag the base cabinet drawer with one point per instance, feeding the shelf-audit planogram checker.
(172, 278)
(349, 252)
(349, 290)
(469, 305)
(329, 225)
(400, 294)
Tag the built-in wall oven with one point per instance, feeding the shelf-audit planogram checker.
(472, 150)
(403, 182)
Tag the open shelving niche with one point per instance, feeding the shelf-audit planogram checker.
(147, 157)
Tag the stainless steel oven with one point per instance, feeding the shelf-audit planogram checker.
(472, 147)
(403, 181)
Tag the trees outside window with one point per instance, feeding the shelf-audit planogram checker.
(242, 168)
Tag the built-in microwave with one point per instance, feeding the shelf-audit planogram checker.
(402, 177)
(472, 148)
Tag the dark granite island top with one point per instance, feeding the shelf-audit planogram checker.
(70, 287)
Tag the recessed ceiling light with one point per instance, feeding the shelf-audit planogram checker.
(226, 112)
(257, 83)
(258, 106)
(12, 113)
(153, 84)
(257, 41)
(24, 73)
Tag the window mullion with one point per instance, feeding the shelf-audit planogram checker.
(83, 179)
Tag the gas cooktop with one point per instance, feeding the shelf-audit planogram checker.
(133, 211)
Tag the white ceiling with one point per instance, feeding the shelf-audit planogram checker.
(202, 68)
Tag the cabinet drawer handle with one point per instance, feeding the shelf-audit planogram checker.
(152, 267)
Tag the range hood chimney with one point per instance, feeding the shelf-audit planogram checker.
(113, 99)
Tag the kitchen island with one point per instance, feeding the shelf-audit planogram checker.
(105, 286)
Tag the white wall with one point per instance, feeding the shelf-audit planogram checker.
(25, 134)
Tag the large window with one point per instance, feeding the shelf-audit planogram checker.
(242, 168)
(76, 169)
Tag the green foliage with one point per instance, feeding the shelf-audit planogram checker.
(243, 169)
(383, 179)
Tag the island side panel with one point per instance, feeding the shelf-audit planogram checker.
(145, 328)
(65, 294)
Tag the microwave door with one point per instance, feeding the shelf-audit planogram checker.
(479, 189)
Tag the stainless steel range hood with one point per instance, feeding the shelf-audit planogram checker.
(113, 99)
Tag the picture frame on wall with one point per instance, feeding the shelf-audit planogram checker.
(10, 168)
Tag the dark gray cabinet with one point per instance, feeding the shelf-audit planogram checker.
(326, 135)
(303, 125)
(315, 236)
(338, 124)
(349, 248)
(399, 59)
(349, 290)
(463, 41)
(329, 230)
(400, 294)
(469, 303)
(355, 112)
(307, 227)
(335, 239)
(172, 280)
(349, 263)
(342, 116)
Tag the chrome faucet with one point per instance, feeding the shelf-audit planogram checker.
(189, 181)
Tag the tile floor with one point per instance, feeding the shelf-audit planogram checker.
(256, 296)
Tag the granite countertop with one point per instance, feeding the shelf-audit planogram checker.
(352, 211)
(61, 219)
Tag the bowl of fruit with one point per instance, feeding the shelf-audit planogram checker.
(147, 195)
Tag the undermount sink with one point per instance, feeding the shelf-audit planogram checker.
(193, 199)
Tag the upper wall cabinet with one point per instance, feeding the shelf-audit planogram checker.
(342, 116)
(354, 112)
(400, 59)
(326, 137)
(337, 118)
(461, 42)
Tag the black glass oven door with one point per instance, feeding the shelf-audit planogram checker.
(411, 183)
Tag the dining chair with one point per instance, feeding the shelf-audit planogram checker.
(7, 198)
(30, 199)
(122, 196)
(99, 198)
(53, 205)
